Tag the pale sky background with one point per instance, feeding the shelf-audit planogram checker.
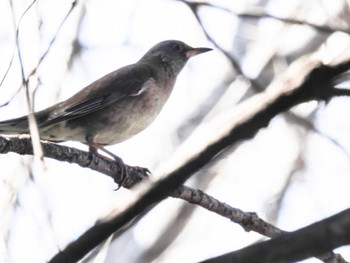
(41, 215)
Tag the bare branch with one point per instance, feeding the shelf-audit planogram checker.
(258, 12)
(248, 220)
(310, 241)
(74, 4)
(16, 40)
(317, 85)
(71, 155)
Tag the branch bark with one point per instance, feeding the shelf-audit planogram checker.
(316, 84)
(310, 241)
(23, 146)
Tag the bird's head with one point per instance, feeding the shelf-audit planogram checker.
(172, 54)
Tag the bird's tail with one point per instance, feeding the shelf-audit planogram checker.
(20, 125)
(14, 126)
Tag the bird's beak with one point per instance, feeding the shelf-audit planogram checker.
(195, 51)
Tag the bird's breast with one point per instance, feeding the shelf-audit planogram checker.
(130, 115)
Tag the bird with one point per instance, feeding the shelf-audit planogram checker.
(115, 107)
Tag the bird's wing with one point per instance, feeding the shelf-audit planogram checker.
(113, 87)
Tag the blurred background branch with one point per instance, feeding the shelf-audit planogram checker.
(292, 172)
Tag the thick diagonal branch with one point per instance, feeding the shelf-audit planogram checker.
(317, 85)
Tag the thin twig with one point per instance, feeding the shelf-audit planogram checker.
(33, 127)
(74, 3)
(14, 50)
(259, 13)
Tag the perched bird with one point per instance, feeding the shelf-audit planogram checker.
(115, 107)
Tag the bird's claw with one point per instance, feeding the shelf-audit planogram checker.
(129, 175)
(124, 174)
(143, 170)
(134, 175)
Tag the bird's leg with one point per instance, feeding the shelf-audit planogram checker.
(124, 174)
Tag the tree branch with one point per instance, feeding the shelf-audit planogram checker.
(23, 146)
(317, 85)
(250, 221)
(310, 241)
(258, 12)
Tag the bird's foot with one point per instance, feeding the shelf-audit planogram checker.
(129, 175)
(136, 174)
(123, 169)
(124, 174)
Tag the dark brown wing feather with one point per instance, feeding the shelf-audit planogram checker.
(113, 87)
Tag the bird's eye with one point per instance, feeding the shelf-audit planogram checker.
(178, 48)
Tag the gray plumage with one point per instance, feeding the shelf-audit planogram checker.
(115, 107)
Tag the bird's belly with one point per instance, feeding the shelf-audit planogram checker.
(119, 122)
(61, 132)
(123, 129)
(112, 124)
(126, 120)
